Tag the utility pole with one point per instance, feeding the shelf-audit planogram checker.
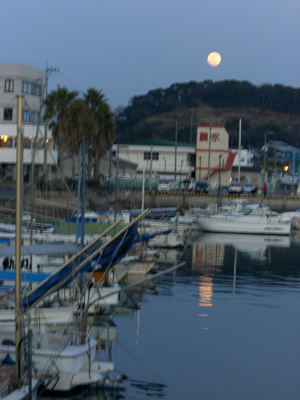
(191, 137)
(48, 72)
(151, 155)
(209, 149)
(265, 152)
(200, 168)
(220, 156)
(177, 128)
(175, 150)
(240, 135)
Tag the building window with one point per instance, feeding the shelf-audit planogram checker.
(7, 114)
(30, 116)
(27, 142)
(9, 85)
(6, 141)
(147, 155)
(31, 88)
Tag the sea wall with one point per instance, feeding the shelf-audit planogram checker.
(185, 201)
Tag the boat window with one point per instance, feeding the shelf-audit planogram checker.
(258, 213)
(247, 212)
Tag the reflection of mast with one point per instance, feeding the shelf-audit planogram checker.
(138, 323)
(234, 269)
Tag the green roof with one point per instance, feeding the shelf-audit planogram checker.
(155, 142)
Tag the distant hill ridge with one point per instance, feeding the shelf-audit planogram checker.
(262, 108)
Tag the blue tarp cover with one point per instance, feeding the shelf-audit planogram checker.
(112, 254)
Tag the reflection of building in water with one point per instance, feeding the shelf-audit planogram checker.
(207, 255)
(205, 291)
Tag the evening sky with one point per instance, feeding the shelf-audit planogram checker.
(128, 47)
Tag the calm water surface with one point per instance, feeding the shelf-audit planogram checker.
(224, 326)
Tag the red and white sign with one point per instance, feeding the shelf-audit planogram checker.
(203, 137)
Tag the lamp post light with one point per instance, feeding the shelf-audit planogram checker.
(265, 152)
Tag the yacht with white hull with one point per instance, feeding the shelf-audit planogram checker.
(253, 221)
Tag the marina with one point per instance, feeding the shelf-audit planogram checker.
(134, 311)
(171, 291)
(226, 324)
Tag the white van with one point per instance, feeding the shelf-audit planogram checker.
(167, 185)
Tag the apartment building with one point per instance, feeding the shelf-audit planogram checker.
(26, 81)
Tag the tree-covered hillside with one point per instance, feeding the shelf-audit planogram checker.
(262, 108)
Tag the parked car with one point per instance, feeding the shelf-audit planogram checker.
(249, 188)
(188, 184)
(235, 187)
(201, 186)
(167, 185)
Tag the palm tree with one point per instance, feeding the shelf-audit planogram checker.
(100, 124)
(59, 111)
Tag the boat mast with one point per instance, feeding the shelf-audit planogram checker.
(19, 187)
(240, 135)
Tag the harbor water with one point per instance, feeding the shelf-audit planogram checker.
(226, 325)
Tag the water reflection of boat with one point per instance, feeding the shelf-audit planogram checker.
(249, 241)
(253, 245)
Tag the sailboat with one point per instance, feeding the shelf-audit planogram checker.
(19, 383)
(63, 361)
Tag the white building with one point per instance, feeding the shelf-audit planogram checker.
(246, 158)
(22, 80)
(160, 158)
(214, 157)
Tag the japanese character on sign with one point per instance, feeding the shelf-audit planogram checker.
(215, 137)
(203, 136)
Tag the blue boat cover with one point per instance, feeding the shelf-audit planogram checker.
(148, 236)
(112, 254)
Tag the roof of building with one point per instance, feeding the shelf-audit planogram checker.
(122, 162)
(283, 147)
(156, 142)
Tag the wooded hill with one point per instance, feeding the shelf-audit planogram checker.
(262, 108)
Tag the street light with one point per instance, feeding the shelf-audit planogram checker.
(165, 163)
(265, 152)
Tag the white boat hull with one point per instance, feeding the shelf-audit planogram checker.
(71, 365)
(244, 224)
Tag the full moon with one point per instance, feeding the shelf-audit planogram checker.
(214, 59)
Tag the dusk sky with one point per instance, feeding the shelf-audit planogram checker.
(128, 47)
